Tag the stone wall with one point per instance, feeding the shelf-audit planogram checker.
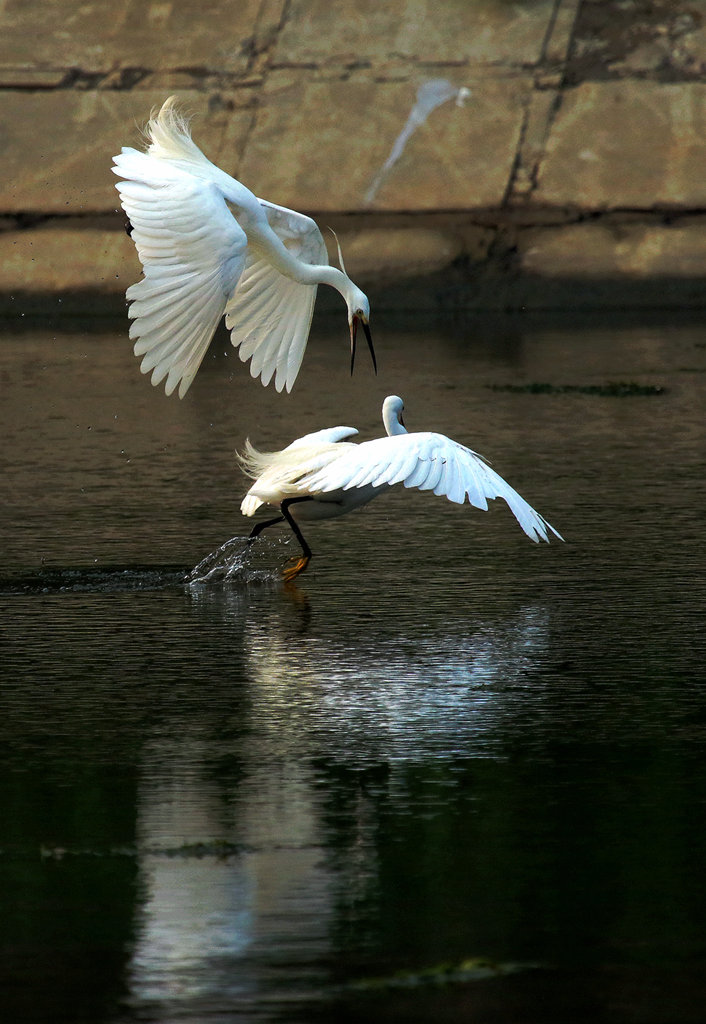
(564, 169)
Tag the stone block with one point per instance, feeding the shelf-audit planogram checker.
(68, 170)
(485, 31)
(629, 144)
(691, 52)
(628, 249)
(95, 37)
(318, 145)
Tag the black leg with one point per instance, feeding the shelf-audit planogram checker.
(259, 527)
(301, 564)
(297, 532)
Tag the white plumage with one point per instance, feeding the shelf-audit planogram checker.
(210, 248)
(322, 475)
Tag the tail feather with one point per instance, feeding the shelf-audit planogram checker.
(250, 504)
(253, 462)
(169, 137)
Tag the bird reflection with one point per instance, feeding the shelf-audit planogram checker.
(406, 688)
(389, 695)
(222, 904)
(241, 891)
(197, 907)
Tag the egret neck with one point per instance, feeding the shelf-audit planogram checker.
(392, 416)
(265, 241)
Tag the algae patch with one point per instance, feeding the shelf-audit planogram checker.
(463, 971)
(613, 389)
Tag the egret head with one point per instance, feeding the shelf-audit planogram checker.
(359, 313)
(392, 409)
(358, 307)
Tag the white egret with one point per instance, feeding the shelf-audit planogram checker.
(209, 247)
(321, 475)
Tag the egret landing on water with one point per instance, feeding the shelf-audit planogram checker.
(321, 475)
(209, 247)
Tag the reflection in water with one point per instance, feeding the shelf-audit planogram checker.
(230, 925)
(390, 696)
(197, 910)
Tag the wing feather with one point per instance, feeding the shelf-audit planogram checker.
(176, 347)
(192, 252)
(407, 467)
(426, 461)
(329, 435)
(269, 315)
(156, 297)
(418, 473)
(453, 490)
(436, 469)
(161, 318)
(264, 357)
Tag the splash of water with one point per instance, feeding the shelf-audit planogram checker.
(430, 95)
(234, 562)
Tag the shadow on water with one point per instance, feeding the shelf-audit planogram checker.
(93, 580)
(232, 564)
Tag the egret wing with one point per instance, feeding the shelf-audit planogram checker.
(192, 252)
(329, 435)
(269, 315)
(427, 461)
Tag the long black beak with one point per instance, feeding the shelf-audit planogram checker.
(368, 338)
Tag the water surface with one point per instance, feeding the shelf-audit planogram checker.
(450, 775)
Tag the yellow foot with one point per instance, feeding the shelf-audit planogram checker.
(293, 571)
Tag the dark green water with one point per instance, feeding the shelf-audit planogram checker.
(450, 776)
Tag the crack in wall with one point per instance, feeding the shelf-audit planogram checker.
(261, 63)
(524, 175)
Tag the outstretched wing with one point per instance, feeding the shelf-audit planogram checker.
(270, 315)
(329, 435)
(192, 252)
(430, 462)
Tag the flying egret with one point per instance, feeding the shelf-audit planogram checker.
(321, 475)
(209, 247)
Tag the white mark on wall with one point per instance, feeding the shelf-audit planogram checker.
(430, 95)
